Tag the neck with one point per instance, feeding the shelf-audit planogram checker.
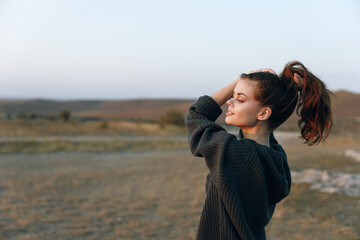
(259, 134)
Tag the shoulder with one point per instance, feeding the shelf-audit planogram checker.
(239, 155)
(241, 147)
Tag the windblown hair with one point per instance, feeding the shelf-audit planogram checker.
(282, 94)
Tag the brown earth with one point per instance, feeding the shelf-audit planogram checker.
(156, 195)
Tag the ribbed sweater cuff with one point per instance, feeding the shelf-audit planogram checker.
(209, 107)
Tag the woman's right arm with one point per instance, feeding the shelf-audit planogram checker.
(203, 132)
(224, 94)
(212, 142)
(201, 118)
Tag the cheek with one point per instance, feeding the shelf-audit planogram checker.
(248, 113)
(248, 110)
(253, 111)
(245, 114)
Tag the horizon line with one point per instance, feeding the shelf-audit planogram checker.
(120, 99)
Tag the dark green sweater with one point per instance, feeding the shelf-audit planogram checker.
(246, 179)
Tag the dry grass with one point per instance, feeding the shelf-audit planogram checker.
(39, 127)
(308, 214)
(58, 145)
(329, 156)
(109, 196)
(153, 195)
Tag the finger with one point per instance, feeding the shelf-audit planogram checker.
(298, 79)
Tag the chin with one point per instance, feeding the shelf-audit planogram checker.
(228, 121)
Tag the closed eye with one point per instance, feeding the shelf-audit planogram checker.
(237, 95)
(238, 99)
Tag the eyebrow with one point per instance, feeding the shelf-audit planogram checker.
(238, 94)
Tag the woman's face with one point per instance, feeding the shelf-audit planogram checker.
(243, 108)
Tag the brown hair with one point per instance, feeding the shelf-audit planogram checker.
(282, 94)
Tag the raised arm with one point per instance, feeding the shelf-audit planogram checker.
(209, 140)
(224, 94)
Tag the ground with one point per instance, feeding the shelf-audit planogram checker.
(154, 193)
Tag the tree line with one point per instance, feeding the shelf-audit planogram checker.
(170, 117)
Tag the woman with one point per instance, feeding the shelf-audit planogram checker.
(248, 176)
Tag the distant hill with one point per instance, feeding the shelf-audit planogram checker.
(147, 109)
(346, 105)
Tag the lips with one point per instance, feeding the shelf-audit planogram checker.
(229, 113)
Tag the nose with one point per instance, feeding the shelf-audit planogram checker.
(229, 102)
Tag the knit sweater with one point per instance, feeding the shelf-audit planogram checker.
(245, 179)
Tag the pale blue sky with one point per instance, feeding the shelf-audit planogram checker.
(82, 49)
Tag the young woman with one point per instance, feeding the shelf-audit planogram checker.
(248, 176)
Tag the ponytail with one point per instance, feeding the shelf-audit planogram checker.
(314, 107)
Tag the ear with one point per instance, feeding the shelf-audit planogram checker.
(264, 113)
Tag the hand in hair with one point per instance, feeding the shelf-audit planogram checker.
(298, 79)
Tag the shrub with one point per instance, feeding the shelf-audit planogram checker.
(21, 116)
(33, 116)
(138, 121)
(102, 124)
(51, 117)
(65, 115)
(173, 117)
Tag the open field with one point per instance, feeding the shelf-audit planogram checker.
(43, 128)
(97, 144)
(156, 194)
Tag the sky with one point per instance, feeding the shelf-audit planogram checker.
(138, 49)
